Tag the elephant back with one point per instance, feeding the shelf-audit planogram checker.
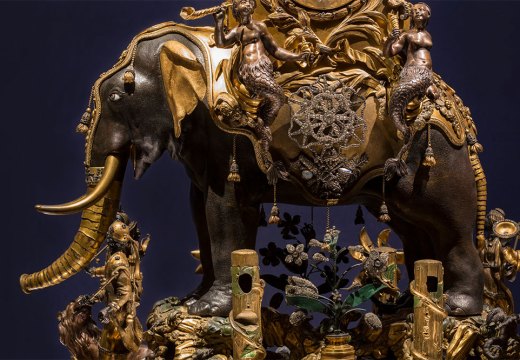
(330, 157)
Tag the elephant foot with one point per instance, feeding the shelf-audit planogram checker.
(196, 294)
(463, 304)
(393, 167)
(215, 302)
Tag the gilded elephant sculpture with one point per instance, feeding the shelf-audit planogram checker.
(173, 90)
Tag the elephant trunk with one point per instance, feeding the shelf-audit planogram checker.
(96, 217)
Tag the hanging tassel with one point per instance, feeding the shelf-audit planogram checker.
(384, 217)
(86, 118)
(383, 214)
(274, 217)
(474, 146)
(429, 159)
(129, 80)
(129, 77)
(359, 217)
(84, 123)
(234, 176)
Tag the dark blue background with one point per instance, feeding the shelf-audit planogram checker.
(51, 54)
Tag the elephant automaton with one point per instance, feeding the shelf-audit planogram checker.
(173, 89)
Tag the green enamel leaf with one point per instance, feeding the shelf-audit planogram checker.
(390, 272)
(363, 294)
(306, 303)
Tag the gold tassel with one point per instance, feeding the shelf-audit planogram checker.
(383, 214)
(129, 77)
(81, 128)
(474, 146)
(84, 123)
(233, 176)
(384, 217)
(429, 159)
(275, 215)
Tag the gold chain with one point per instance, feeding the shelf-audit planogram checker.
(328, 218)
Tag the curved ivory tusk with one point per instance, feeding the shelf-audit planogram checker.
(112, 165)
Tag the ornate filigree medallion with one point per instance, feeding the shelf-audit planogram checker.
(327, 122)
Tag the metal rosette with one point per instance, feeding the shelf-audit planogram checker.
(328, 119)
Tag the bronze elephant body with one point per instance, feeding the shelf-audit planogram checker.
(433, 210)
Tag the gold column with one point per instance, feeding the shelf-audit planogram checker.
(429, 314)
(245, 318)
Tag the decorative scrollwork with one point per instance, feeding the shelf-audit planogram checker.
(360, 20)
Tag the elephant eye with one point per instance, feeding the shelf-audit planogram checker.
(114, 96)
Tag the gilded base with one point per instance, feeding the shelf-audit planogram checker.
(338, 347)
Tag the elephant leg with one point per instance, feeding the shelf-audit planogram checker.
(448, 239)
(231, 226)
(448, 223)
(441, 201)
(198, 210)
(463, 271)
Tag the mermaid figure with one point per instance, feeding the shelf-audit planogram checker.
(255, 69)
(416, 79)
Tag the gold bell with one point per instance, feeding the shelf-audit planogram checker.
(233, 176)
(429, 159)
(275, 215)
(384, 217)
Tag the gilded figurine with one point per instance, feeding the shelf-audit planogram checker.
(255, 69)
(501, 262)
(416, 78)
(121, 288)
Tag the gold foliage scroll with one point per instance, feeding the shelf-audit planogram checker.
(184, 80)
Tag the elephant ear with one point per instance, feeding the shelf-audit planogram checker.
(184, 80)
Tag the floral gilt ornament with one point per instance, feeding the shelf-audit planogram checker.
(311, 260)
(380, 266)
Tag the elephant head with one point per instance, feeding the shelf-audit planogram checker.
(131, 120)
